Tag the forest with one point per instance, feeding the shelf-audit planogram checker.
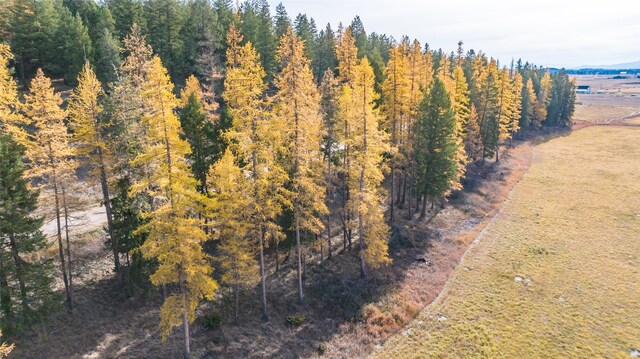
(216, 135)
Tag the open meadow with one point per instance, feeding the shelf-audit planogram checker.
(611, 99)
(556, 274)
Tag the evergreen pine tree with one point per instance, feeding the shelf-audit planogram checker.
(489, 111)
(325, 53)
(27, 293)
(436, 144)
(198, 131)
(75, 45)
(282, 22)
(163, 20)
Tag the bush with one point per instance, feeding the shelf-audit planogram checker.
(322, 348)
(295, 320)
(211, 321)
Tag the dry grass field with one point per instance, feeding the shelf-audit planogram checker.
(557, 273)
(621, 99)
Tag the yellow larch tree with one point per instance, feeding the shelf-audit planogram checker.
(533, 110)
(460, 105)
(516, 106)
(396, 92)
(420, 74)
(297, 105)
(137, 54)
(472, 135)
(505, 107)
(175, 233)
(85, 115)
(369, 143)
(5, 349)
(11, 119)
(347, 55)
(345, 116)
(125, 104)
(329, 108)
(192, 87)
(255, 138)
(51, 161)
(232, 198)
(541, 101)
(480, 68)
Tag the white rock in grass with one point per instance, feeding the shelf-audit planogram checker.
(634, 353)
(518, 279)
(442, 318)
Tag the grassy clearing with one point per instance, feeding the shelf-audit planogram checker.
(621, 99)
(556, 274)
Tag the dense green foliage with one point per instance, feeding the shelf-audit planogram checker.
(435, 144)
(26, 293)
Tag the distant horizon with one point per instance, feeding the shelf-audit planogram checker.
(574, 34)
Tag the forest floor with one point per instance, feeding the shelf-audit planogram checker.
(557, 272)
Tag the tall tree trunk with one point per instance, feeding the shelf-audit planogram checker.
(20, 274)
(363, 265)
(497, 150)
(393, 191)
(401, 200)
(263, 277)
(277, 245)
(296, 207)
(186, 354)
(5, 297)
(328, 179)
(398, 190)
(424, 206)
(409, 204)
(68, 243)
(344, 236)
(236, 301)
(321, 251)
(107, 207)
(363, 269)
(296, 202)
(63, 266)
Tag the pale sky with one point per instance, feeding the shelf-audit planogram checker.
(554, 33)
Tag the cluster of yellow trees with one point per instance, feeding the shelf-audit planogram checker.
(288, 148)
(486, 114)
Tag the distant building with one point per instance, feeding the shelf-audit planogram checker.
(584, 89)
